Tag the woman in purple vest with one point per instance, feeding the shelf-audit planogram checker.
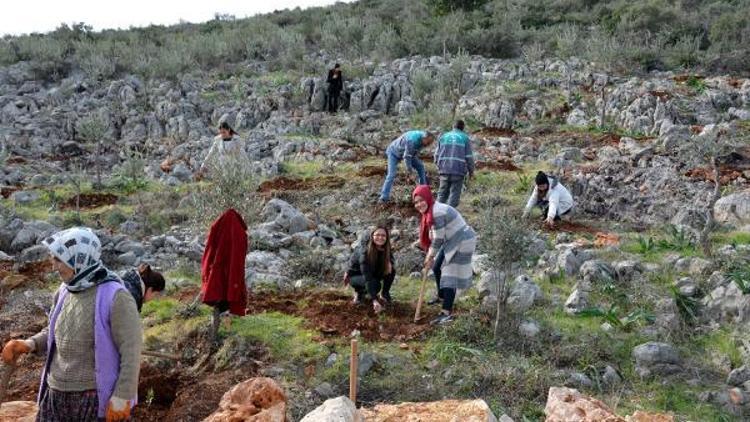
(93, 341)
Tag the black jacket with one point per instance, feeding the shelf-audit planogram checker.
(358, 265)
(335, 84)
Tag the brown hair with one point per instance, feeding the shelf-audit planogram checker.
(372, 250)
(151, 279)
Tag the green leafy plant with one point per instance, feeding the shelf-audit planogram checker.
(688, 306)
(523, 184)
(740, 275)
(612, 316)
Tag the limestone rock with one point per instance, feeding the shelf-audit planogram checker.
(339, 409)
(439, 411)
(253, 400)
(734, 208)
(569, 405)
(655, 358)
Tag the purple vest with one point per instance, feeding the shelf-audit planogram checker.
(106, 355)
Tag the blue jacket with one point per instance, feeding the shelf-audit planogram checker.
(453, 154)
(407, 147)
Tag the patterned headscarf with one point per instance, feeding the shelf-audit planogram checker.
(79, 249)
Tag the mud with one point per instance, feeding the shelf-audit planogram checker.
(494, 132)
(572, 227)
(90, 201)
(292, 184)
(7, 191)
(332, 314)
(498, 165)
(403, 208)
(372, 171)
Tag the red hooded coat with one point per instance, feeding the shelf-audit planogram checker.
(223, 263)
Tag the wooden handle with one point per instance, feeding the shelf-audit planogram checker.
(159, 355)
(6, 371)
(417, 315)
(353, 369)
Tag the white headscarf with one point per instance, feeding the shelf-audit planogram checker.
(79, 249)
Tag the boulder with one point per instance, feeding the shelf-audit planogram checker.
(597, 271)
(739, 376)
(734, 208)
(33, 254)
(18, 411)
(340, 409)
(523, 294)
(727, 303)
(286, 217)
(253, 400)
(569, 405)
(577, 301)
(655, 358)
(439, 411)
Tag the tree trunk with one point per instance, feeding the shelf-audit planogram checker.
(502, 296)
(704, 239)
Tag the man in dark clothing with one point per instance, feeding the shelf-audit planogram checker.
(335, 85)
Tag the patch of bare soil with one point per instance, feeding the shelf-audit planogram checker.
(494, 132)
(292, 184)
(6, 191)
(372, 171)
(502, 164)
(403, 208)
(29, 275)
(331, 313)
(572, 227)
(90, 201)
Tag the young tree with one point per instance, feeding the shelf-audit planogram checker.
(91, 129)
(505, 241)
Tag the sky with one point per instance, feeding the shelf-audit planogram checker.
(23, 17)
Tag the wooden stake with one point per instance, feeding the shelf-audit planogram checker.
(353, 369)
(6, 371)
(417, 315)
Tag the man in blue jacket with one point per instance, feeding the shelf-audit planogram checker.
(454, 160)
(406, 147)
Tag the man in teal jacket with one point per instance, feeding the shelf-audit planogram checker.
(454, 159)
(406, 147)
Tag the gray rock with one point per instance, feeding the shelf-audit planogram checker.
(324, 390)
(331, 360)
(127, 259)
(579, 380)
(596, 271)
(182, 173)
(5, 257)
(727, 303)
(339, 409)
(523, 294)
(687, 287)
(734, 208)
(23, 197)
(129, 227)
(31, 254)
(627, 270)
(577, 301)
(265, 240)
(699, 266)
(131, 246)
(655, 358)
(366, 362)
(739, 376)
(288, 218)
(529, 329)
(610, 376)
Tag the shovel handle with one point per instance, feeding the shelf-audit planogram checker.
(417, 315)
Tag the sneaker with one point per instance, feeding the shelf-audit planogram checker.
(441, 319)
(377, 307)
(434, 301)
(386, 298)
(357, 299)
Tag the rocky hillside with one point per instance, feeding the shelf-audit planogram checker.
(621, 302)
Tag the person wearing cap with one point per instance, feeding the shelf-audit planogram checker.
(406, 147)
(550, 196)
(93, 341)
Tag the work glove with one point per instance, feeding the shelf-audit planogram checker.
(118, 409)
(15, 348)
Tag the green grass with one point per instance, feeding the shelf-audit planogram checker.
(160, 310)
(732, 238)
(679, 399)
(720, 342)
(282, 334)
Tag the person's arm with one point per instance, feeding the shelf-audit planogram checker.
(530, 204)
(127, 334)
(212, 152)
(554, 204)
(364, 266)
(330, 77)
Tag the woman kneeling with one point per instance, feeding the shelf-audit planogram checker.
(372, 270)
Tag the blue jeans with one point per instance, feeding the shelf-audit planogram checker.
(390, 177)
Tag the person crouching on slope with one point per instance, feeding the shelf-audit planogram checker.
(552, 197)
(143, 283)
(372, 269)
(93, 341)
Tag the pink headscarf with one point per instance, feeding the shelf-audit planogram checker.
(423, 191)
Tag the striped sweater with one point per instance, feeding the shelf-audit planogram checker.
(449, 229)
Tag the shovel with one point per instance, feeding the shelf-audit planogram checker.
(6, 371)
(417, 315)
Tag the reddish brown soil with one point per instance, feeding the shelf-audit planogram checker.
(331, 313)
(33, 273)
(90, 201)
(289, 184)
(661, 94)
(728, 174)
(372, 171)
(685, 77)
(499, 165)
(16, 160)
(404, 208)
(572, 227)
(494, 131)
(6, 191)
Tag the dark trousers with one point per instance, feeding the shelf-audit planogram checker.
(333, 101)
(448, 295)
(376, 286)
(449, 191)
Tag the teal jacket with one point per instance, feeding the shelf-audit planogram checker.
(453, 155)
